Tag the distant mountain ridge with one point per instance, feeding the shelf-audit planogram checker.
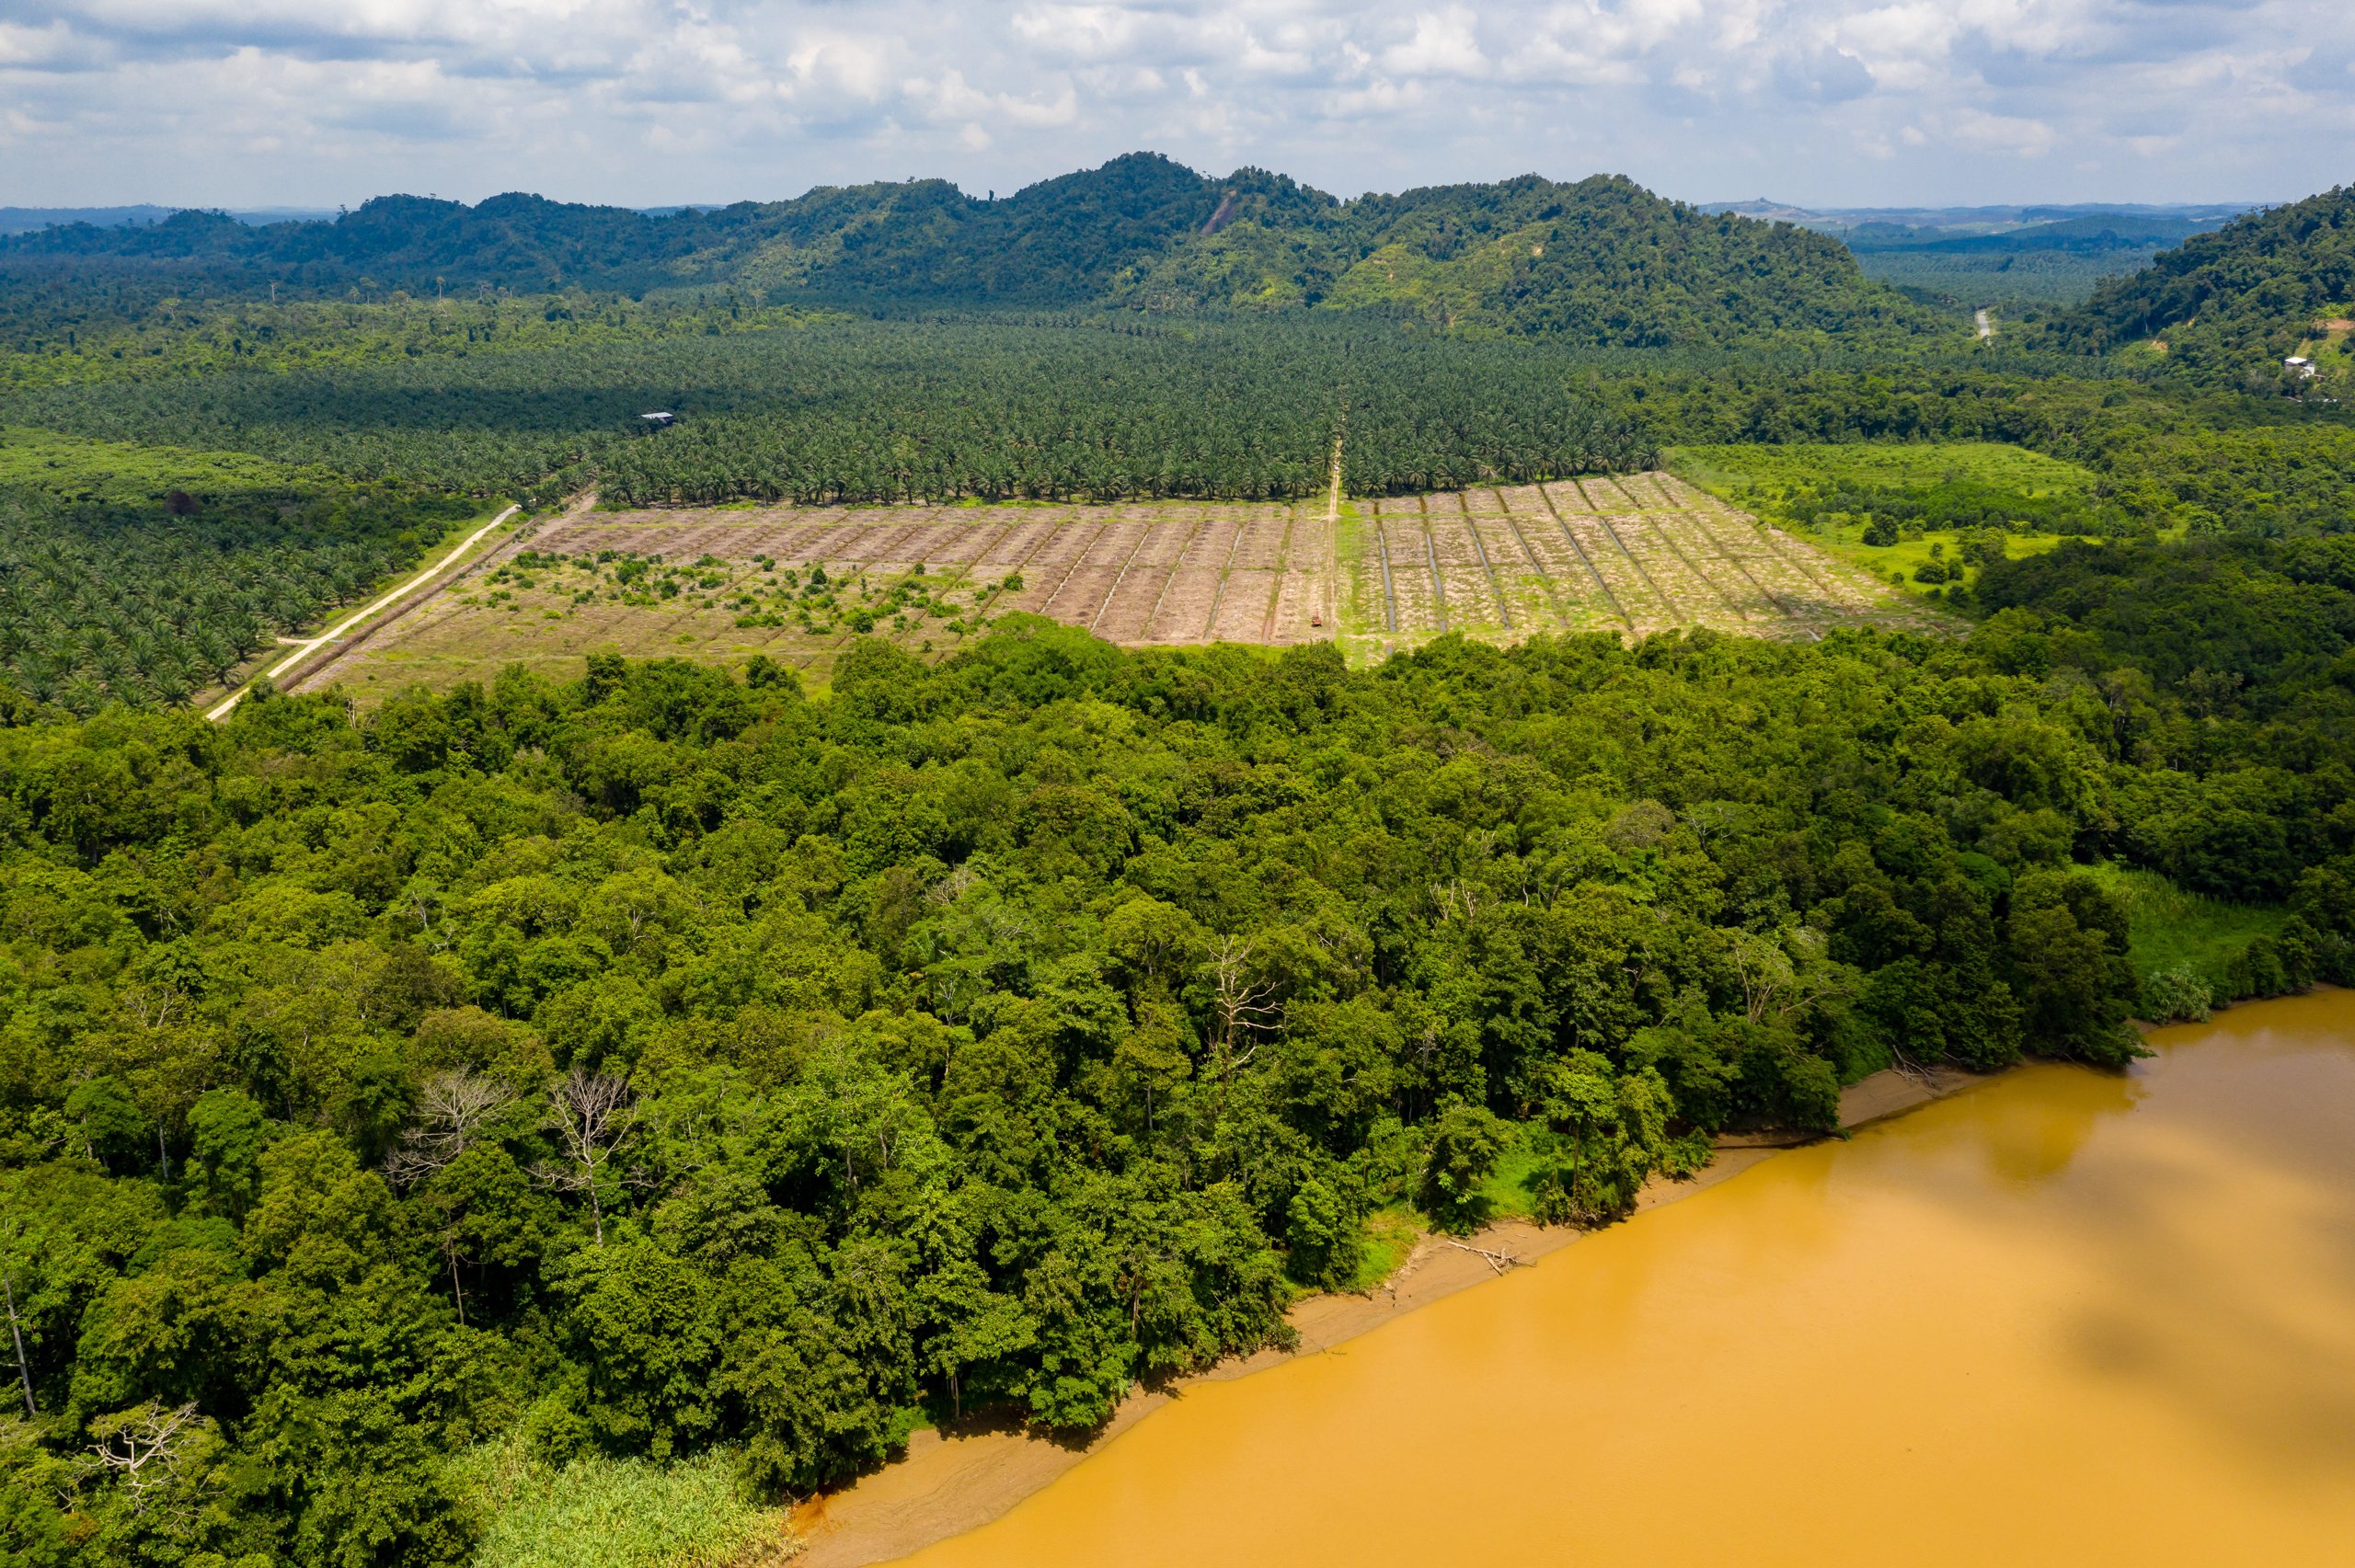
(1601, 261)
(28, 220)
(2105, 232)
(2123, 216)
(2035, 255)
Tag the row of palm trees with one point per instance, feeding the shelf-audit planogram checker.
(862, 411)
(151, 616)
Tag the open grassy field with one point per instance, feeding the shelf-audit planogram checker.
(2168, 928)
(1938, 494)
(1634, 555)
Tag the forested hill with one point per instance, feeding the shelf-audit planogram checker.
(2233, 304)
(1601, 262)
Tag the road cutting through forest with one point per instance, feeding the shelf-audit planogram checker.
(305, 647)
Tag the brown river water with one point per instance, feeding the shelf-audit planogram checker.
(2059, 1318)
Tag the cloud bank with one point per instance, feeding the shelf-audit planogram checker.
(278, 102)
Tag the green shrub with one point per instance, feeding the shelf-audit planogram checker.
(2175, 995)
(2258, 970)
(1466, 1143)
(1323, 1234)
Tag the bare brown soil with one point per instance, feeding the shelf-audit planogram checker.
(1634, 554)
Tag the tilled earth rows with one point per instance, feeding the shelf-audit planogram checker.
(1167, 572)
(1633, 554)
(1636, 553)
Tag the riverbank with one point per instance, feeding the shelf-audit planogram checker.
(951, 1482)
(2111, 1299)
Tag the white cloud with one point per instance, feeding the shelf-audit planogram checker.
(1443, 45)
(267, 102)
(952, 99)
(2004, 133)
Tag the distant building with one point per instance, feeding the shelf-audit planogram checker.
(659, 418)
(2298, 364)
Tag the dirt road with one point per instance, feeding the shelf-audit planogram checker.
(302, 648)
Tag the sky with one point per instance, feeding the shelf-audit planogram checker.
(262, 103)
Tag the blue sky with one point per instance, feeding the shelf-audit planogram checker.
(1831, 102)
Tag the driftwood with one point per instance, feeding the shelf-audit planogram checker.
(1500, 1262)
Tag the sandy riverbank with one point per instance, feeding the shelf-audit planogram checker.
(948, 1483)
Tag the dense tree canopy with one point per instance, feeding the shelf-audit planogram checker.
(842, 410)
(659, 1061)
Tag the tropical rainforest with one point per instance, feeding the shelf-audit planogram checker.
(686, 1069)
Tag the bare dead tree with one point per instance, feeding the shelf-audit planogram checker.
(591, 1112)
(1456, 896)
(1500, 1262)
(145, 1445)
(1242, 1004)
(423, 909)
(951, 887)
(451, 1111)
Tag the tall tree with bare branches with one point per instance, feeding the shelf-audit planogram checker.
(451, 1111)
(594, 1119)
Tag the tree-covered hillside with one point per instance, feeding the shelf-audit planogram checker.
(1603, 263)
(2230, 306)
(1600, 262)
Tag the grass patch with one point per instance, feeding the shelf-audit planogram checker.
(1391, 1233)
(605, 1513)
(1912, 464)
(1359, 605)
(1510, 1193)
(2169, 928)
(1953, 503)
(77, 469)
(1898, 564)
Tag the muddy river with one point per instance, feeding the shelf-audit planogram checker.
(2059, 1318)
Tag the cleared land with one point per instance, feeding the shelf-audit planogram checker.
(1636, 554)
(1934, 493)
